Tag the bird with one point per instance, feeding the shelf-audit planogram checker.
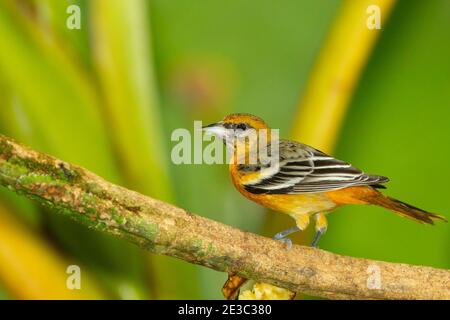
(304, 182)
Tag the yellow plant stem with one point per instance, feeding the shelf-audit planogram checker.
(336, 72)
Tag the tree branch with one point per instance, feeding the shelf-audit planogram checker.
(165, 229)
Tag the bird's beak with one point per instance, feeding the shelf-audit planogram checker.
(216, 129)
(212, 125)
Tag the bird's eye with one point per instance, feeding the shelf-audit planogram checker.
(241, 126)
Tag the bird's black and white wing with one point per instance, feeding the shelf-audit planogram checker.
(303, 169)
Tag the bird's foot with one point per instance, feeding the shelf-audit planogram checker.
(282, 236)
(287, 242)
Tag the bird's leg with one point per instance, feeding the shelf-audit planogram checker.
(282, 236)
(321, 228)
(302, 222)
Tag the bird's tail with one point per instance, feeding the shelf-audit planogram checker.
(404, 209)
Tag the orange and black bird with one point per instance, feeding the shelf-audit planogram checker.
(305, 183)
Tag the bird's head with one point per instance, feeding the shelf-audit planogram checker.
(236, 125)
(249, 137)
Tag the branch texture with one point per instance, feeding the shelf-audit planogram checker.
(165, 229)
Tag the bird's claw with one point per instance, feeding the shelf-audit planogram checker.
(279, 236)
(286, 241)
(282, 236)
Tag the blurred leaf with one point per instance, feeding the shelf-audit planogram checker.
(124, 63)
(52, 17)
(60, 100)
(57, 96)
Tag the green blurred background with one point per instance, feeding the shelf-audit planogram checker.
(109, 95)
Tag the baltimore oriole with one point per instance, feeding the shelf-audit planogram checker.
(305, 182)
